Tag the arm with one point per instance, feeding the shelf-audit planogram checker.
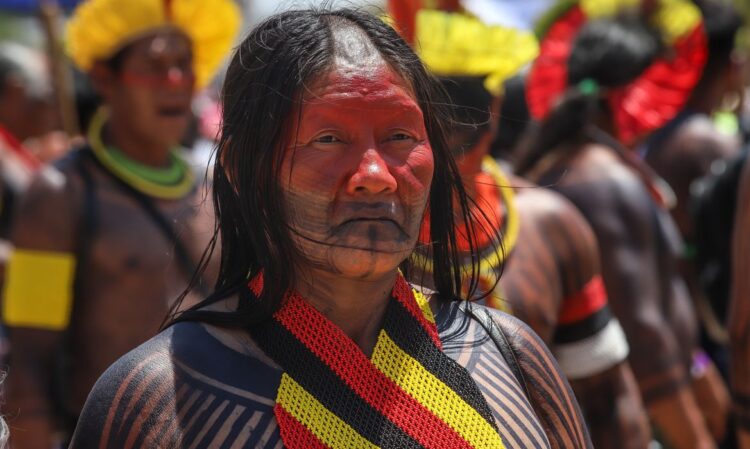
(621, 215)
(110, 421)
(550, 395)
(681, 161)
(36, 308)
(739, 316)
(590, 342)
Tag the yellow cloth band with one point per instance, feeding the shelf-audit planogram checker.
(39, 289)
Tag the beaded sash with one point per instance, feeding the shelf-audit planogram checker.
(409, 394)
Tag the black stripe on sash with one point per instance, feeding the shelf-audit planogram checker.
(403, 329)
(320, 381)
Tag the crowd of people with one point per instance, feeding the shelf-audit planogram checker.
(425, 229)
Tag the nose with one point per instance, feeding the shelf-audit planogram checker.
(178, 77)
(372, 175)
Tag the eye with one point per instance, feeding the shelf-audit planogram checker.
(400, 137)
(328, 138)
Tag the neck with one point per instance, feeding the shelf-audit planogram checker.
(470, 164)
(702, 104)
(707, 96)
(356, 306)
(145, 151)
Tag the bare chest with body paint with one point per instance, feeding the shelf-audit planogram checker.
(194, 386)
(128, 278)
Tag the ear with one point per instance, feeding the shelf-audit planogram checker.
(103, 79)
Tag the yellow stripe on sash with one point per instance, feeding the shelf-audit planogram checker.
(424, 304)
(39, 289)
(327, 427)
(429, 391)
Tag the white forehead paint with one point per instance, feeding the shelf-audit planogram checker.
(353, 49)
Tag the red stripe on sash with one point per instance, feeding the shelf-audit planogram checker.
(294, 434)
(403, 293)
(344, 357)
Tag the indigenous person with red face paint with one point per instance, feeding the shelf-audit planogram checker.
(102, 253)
(590, 67)
(331, 150)
(548, 258)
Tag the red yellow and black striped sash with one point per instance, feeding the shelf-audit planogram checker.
(409, 394)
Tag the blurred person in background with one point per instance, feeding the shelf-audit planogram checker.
(102, 251)
(332, 147)
(685, 150)
(26, 112)
(579, 150)
(548, 272)
(739, 313)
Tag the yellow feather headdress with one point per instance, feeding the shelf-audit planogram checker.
(455, 44)
(99, 28)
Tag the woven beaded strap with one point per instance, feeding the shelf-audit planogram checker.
(409, 394)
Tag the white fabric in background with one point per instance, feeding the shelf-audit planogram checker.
(521, 14)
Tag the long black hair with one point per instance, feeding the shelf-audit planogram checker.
(607, 53)
(266, 78)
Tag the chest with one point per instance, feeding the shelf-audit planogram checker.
(225, 410)
(126, 238)
(129, 269)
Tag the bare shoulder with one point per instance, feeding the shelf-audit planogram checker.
(604, 189)
(44, 216)
(551, 209)
(513, 366)
(545, 385)
(699, 139)
(540, 201)
(183, 387)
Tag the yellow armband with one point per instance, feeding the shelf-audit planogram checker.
(39, 289)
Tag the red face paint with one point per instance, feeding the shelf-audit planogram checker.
(171, 78)
(155, 86)
(357, 175)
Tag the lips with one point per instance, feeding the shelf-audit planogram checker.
(172, 111)
(371, 220)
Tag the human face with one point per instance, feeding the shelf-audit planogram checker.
(152, 91)
(357, 175)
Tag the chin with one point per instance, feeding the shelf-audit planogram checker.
(172, 131)
(363, 264)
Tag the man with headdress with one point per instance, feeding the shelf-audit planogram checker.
(101, 253)
(602, 84)
(548, 272)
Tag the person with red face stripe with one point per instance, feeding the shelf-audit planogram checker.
(331, 150)
(102, 249)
